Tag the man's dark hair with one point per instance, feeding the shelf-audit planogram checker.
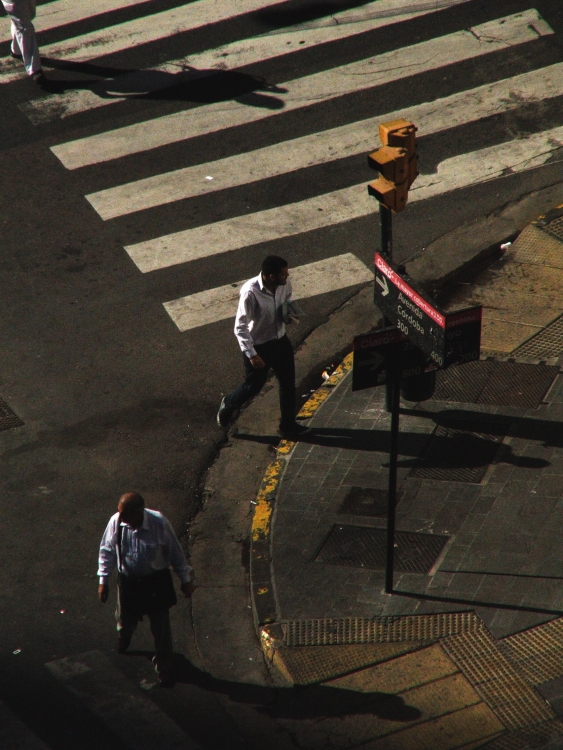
(273, 264)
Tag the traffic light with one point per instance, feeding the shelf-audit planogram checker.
(396, 163)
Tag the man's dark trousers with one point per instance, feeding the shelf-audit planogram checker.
(278, 356)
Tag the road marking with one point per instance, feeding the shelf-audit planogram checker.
(342, 205)
(61, 12)
(15, 734)
(212, 305)
(301, 92)
(129, 34)
(326, 146)
(235, 55)
(119, 703)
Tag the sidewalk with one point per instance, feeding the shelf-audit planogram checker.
(470, 641)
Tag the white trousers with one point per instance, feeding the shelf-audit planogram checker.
(24, 43)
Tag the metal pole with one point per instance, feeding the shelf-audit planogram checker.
(386, 224)
(395, 380)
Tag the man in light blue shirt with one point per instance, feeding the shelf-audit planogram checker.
(143, 546)
(260, 331)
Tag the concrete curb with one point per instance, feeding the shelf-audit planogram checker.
(261, 584)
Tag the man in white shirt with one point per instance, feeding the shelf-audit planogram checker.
(143, 546)
(24, 43)
(260, 330)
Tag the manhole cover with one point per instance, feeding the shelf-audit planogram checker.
(459, 453)
(495, 383)
(366, 501)
(7, 417)
(546, 343)
(360, 547)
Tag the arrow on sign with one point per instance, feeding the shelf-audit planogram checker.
(383, 284)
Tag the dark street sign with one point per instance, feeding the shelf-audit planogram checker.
(446, 338)
(387, 351)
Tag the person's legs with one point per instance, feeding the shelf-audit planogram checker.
(253, 382)
(126, 624)
(283, 365)
(162, 634)
(24, 42)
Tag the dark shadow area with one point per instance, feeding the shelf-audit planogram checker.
(411, 444)
(474, 603)
(290, 13)
(300, 702)
(505, 575)
(187, 85)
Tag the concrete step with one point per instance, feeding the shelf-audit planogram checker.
(119, 703)
(15, 735)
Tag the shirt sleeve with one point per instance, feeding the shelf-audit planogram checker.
(108, 553)
(243, 319)
(176, 554)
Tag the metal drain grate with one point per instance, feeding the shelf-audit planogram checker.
(366, 501)
(460, 453)
(7, 417)
(536, 737)
(513, 384)
(546, 343)
(349, 630)
(507, 693)
(539, 246)
(360, 547)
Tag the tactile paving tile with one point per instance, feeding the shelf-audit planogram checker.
(7, 417)
(362, 547)
(556, 227)
(367, 501)
(546, 343)
(536, 737)
(537, 652)
(307, 665)
(348, 630)
(539, 247)
(505, 691)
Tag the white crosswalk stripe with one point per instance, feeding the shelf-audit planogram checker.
(324, 276)
(117, 702)
(299, 93)
(237, 54)
(250, 166)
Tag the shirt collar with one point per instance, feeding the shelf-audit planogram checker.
(261, 284)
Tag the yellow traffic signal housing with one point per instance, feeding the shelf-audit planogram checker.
(396, 163)
(391, 163)
(391, 195)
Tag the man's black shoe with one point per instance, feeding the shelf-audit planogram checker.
(294, 431)
(224, 415)
(16, 56)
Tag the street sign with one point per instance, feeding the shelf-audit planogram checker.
(446, 338)
(382, 353)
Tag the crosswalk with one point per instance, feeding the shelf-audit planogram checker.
(320, 94)
(124, 707)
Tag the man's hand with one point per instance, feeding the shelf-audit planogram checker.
(257, 362)
(103, 591)
(187, 589)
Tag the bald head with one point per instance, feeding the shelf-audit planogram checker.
(131, 509)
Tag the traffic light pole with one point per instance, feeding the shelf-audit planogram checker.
(392, 498)
(386, 224)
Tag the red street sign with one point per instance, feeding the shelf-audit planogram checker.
(447, 338)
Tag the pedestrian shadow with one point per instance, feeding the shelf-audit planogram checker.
(292, 13)
(299, 702)
(188, 84)
(460, 450)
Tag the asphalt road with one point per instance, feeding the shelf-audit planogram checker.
(112, 394)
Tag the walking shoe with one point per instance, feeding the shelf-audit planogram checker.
(166, 679)
(16, 56)
(39, 78)
(123, 642)
(294, 431)
(224, 415)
